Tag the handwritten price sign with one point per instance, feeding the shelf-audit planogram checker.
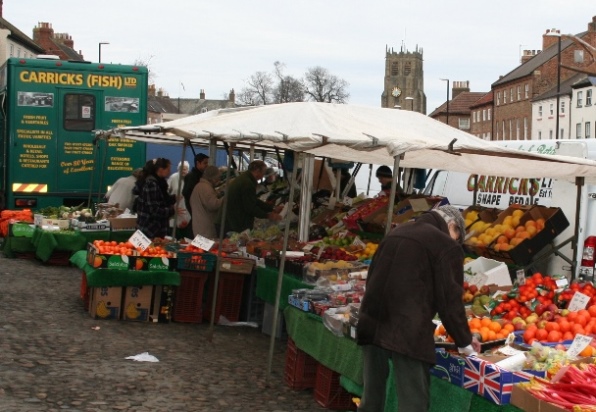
(139, 240)
(579, 344)
(202, 242)
(579, 301)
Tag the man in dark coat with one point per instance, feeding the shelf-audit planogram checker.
(243, 204)
(192, 178)
(416, 273)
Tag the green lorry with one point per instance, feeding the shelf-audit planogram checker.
(49, 110)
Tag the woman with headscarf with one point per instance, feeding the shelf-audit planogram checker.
(205, 204)
(155, 205)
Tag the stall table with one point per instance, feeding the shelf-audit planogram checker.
(344, 356)
(267, 286)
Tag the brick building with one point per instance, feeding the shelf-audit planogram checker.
(59, 44)
(514, 92)
(456, 112)
(481, 117)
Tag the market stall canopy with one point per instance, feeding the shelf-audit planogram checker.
(362, 134)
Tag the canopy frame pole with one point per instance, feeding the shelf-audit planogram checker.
(475, 190)
(351, 182)
(579, 183)
(221, 237)
(179, 188)
(337, 189)
(370, 168)
(280, 273)
(392, 193)
(212, 150)
(305, 196)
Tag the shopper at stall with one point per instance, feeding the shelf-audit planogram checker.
(192, 178)
(155, 205)
(244, 205)
(206, 203)
(416, 273)
(121, 191)
(178, 178)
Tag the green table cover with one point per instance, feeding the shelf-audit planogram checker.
(267, 286)
(12, 245)
(48, 241)
(112, 277)
(344, 356)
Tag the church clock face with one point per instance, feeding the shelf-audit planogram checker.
(396, 92)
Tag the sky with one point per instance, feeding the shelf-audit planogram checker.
(191, 45)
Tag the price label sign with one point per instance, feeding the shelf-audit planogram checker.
(579, 301)
(202, 242)
(139, 240)
(342, 234)
(521, 276)
(358, 242)
(293, 254)
(579, 344)
(348, 201)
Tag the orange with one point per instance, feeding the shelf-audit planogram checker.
(541, 334)
(474, 323)
(581, 320)
(572, 316)
(520, 228)
(97, 262)
(583, 312)
(568, 335)
(592, 311)
(515, 241)
(495, 326)
(509, 233)
(492, 335)
(523, 234)
(529, 334)
(588, 351)
(502, 239)
(509, 328)
(485, 321)
(550, 326)
(564, 326)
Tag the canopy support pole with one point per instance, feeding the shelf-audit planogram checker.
(280, 274)
(579, 183)
(306, 186)
(179, 188)
(396, 160)
(212, 151)
(221, 237)
(369, 179)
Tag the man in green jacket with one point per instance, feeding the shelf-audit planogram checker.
(243, 204)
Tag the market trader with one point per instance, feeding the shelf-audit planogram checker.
(416, 273)
(192, 178)
(244, 204)
(385, 177)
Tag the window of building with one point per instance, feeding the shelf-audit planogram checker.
(511, 95)
(578, 131)
(464, 123)
(483, 115)
(498, 98)
(504, 96)
(562, 133)
(489, 110)
(407, 68)
(552, 109)
(11, 50)
(589, 97)
(525, 128)
(588, 134)
(79, 112)
(526, 91)
(518, 93)
(539, 135)
(539, 111)
(550, 134)
(562, 108)
(580, 96)
(511, 135)
(394, 69)
(517, 135)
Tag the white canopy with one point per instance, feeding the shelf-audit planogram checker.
(362, 134)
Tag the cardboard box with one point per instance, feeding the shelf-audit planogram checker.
(154, 263)
(137, 303)
(105, 302)
(94, 227)
(486, 272)
(490, 381)
(123, 224)
(236, 265)
(108, 261)
(524, 400)
(449, 367)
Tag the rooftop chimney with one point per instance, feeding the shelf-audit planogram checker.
(549, 39)
(528, 54)
(160, 93)
(151, 90)
(1, 7)
(202, 94)
(459, 87)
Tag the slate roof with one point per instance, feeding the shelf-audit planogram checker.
(586, 81)
(20, 37)
(161, 104)
(460, 104)
(71, 53)
(535, 62)
(197, 106)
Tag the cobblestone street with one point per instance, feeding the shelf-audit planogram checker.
(52, 358)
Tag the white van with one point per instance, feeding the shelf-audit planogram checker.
(493, 191)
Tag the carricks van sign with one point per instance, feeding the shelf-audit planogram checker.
(498, 191)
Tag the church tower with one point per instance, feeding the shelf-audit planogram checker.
(404, 80)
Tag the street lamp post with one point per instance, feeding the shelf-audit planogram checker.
(447, 80)
(411, 99)
(100, 44)
(557, 33)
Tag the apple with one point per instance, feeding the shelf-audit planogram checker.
(540, 309)
(517, 319)
(553, 308)
(484, 290)
(532, 318)
(519, 325)
(541, 323)
(564, 312)
(473, 289)
(547, 315)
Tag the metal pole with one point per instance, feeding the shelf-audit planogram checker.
(280, 273)
(306, 186)
(392, 193)
(579, 182)
(558, 86)
(447, 101)
(100, 44)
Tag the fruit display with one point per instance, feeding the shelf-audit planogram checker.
(484, 329)
(365, 210)
(472, 291)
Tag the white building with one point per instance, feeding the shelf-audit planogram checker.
(14, 43)
(583, 110)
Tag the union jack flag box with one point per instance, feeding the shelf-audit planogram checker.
(449, 367)
(490, 380)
